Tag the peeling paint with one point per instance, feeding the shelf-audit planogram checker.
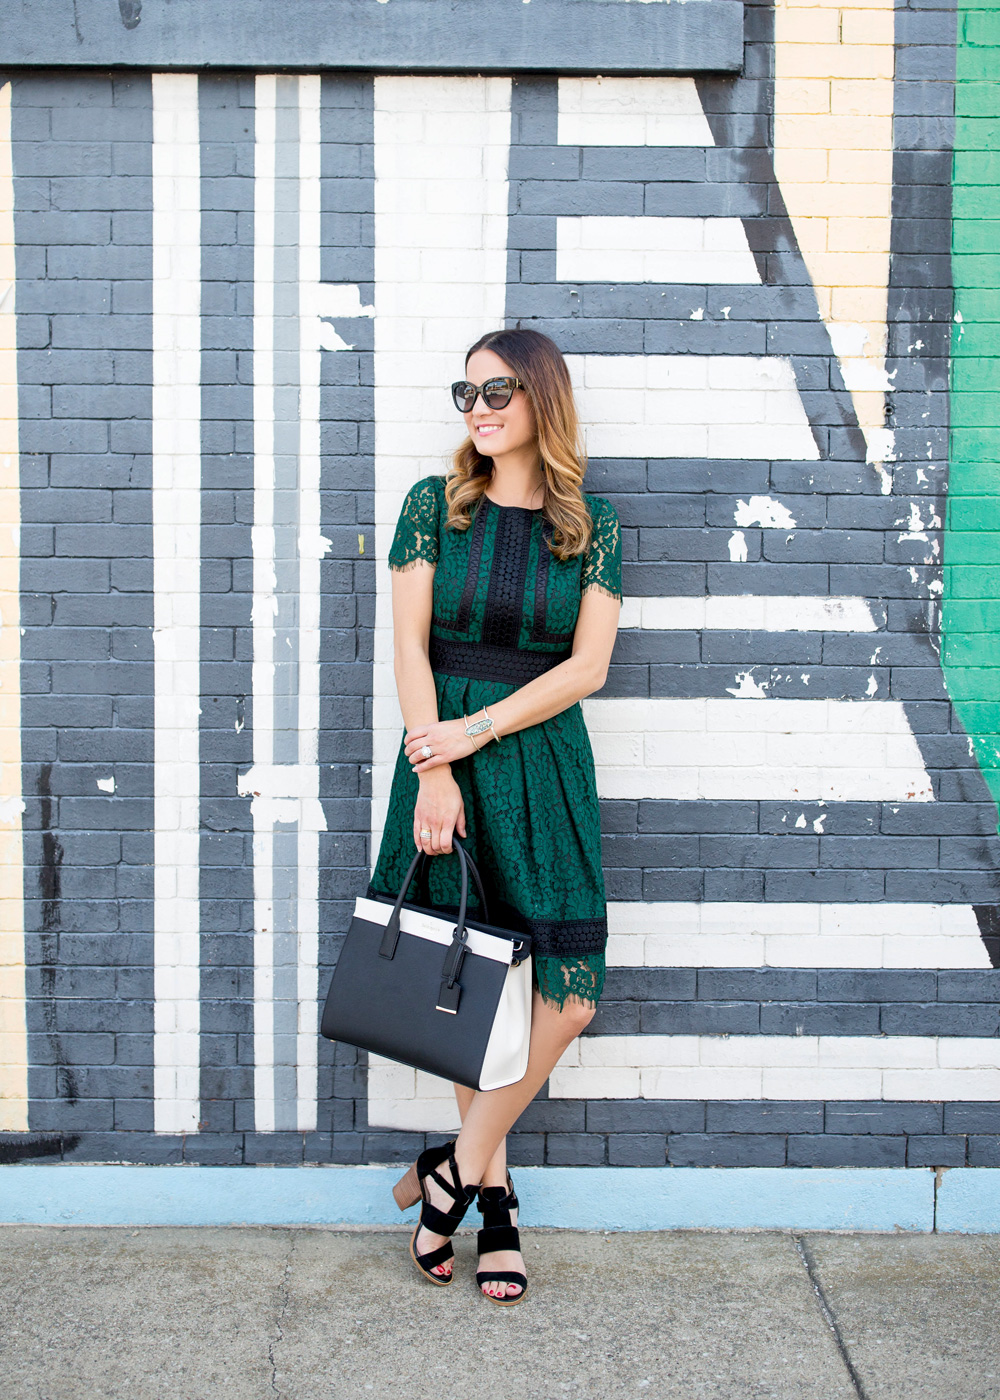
(764, 511)
(747, 688)
(737, 547)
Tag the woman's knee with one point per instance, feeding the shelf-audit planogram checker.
(576, 1016)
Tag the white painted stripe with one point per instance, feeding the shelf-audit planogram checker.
(409, 1100)
(749, 613)
(798, 750)
(631, 112)
(176, 598)
(802, 1067)
(441, 154)
(641, 248)
(284, 779)
(310, 548)
(264, 601)
(733, 406)
(13, 1008)
(686, 934)
(905, 1067)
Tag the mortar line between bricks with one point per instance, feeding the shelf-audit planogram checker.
(803, 1251)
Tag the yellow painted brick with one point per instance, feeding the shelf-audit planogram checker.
(11, 983)
(869, 405)
(14, 1110)
(862, 201)
(829, 133)
(824, 299)
(790, 162)
(827, 199)
(848, 269)
(10, 708)
(800, 95)
(805, 25)
(858, 235)
(869, 25)
(862, 97)
(836, 61)
(811, 233)
(11, 949)
(806, 201)
(12, 1015)
(870, 167)
(864, 306)
(12, 1051)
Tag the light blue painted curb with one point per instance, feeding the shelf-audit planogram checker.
(581, 1198)
(968, 1200)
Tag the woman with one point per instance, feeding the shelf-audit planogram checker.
(506, 592)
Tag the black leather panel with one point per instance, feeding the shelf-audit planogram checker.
(388, 1005)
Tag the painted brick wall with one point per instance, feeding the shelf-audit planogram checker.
(235, 299)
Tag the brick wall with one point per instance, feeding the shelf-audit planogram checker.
(235, 295)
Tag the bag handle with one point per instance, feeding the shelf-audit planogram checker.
(391, 935)
(421, 865)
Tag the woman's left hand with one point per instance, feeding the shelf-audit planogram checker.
(446, 738)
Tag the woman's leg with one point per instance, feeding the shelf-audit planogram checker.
(496, 1170)
(490, 1115)
(495, 1174)
(503, 1260)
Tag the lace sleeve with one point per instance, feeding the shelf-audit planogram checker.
(602, 565)
(417, 529)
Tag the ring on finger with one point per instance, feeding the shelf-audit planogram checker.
(426, 751)
(424, 831)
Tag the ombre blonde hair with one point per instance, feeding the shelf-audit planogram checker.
(538, 363)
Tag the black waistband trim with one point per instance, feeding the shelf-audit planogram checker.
(478, 662)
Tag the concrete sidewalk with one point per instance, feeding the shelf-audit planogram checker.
(323, 1314)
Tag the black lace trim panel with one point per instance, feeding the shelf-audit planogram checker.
(538, 629)
(474, 661)
(508, 575)
(461, 623)
(567, 938)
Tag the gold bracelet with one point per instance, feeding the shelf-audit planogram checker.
(493, 727)
(476, 746)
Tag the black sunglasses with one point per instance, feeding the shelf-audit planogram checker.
(497, 393)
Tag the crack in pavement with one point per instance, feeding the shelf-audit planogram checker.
(803, 1252)
(279, 1323)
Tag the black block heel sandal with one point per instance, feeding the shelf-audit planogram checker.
(496, 1204)
(410, 1189)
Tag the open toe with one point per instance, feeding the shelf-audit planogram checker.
(498, 1233)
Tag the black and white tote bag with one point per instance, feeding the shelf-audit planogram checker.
(446, 994)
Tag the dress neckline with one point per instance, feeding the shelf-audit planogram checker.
(528, 510)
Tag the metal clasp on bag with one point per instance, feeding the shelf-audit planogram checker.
(515, 961)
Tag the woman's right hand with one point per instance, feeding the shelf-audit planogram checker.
(440, 810)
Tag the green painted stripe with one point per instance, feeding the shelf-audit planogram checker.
(971, 602)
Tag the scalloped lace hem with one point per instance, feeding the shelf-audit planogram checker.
(562, 979)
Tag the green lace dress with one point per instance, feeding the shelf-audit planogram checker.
(504, 612)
